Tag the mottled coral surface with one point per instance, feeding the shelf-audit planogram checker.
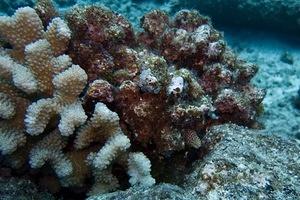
(168, 83)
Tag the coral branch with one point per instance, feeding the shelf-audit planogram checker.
(103, 124)
(7, 106)
(50, 150)
(21, 29)
(58, 34)
(113, 147)
(139, 168)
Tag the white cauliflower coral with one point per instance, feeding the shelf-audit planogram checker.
(37, 66)
(12, 110)
(39, 82)
(58, 35)
(139, 168)
(101, 162)
(7, 106)
(44, 70)
(115, 149)
(103, 124)
(21, 76)
(68, 86)
(23, 28)
(50, 150)
(36, 49)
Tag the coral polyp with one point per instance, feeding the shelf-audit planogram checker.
(90, 95)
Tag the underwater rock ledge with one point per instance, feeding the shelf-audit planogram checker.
(21, 189)
(241, 163)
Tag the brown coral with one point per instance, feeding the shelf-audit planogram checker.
(168, 84)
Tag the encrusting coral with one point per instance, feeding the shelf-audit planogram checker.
(168, 83)
(93, 99)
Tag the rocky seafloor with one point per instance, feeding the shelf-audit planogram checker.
(239, 163)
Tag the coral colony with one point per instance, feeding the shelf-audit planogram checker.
(85, 99)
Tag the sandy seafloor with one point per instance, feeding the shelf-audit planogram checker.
(280, 79)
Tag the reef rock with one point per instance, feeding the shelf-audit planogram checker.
(162, 191)
(240, 164)
(245, 164)
(21, 189)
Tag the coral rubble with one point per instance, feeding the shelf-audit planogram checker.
(13, 188)
(244, 163)
(93, 99)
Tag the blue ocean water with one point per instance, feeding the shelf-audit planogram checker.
(278, 16)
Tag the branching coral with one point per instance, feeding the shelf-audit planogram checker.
(101, 162)
(103, 124)
(50, 150)
(38, 70)
(21, 29)
(115, 145)
(137, 98)
(139, 170)
(46, 10)
(13, 108)
(24, 31)
(18, 74)
(43, 71)
(68, 85)
(7, 106)
(27, 70)
(35, 67)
